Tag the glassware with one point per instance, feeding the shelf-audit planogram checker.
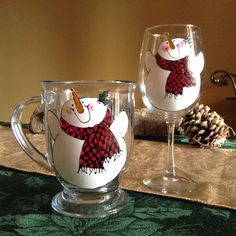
(89, 136)
(170, 76)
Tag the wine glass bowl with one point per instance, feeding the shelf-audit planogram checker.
(171, 70)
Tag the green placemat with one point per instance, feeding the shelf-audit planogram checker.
(25, 209)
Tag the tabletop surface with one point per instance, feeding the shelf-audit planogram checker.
(25, 209)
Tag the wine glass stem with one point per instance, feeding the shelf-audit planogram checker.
(170, 168)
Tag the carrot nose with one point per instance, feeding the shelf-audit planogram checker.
(172, 46)
(78, 104)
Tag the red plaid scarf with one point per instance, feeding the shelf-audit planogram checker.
(99, 142)
(179, 77)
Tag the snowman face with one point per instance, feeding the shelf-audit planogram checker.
(93, 113)
(181, 50)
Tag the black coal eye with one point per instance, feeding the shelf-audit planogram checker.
(72, 105)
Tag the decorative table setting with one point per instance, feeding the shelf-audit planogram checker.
(27, 189)
(89, 163)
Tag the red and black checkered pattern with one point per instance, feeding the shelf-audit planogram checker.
(179, 77)
(99, 142)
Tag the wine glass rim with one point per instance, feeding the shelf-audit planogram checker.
(149, 29)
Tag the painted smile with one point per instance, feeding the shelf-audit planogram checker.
(83, 122)
(173, 55)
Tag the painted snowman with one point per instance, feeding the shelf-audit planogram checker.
(173, 80)
(89, 149)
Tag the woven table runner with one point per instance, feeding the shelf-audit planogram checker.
(214, 170)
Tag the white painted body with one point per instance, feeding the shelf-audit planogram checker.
(157, 77)
(67, 149)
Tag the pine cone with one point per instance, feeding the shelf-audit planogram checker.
(36, 124)
(205, 128)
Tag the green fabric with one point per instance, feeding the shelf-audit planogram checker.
(25, 209)
(8, 124)
(228, 143)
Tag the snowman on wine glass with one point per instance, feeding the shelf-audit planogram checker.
(173, 74)
(170, 73)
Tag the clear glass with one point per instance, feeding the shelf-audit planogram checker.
(171, 70)
(89, 138)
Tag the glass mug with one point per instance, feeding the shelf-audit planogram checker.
(89, 136)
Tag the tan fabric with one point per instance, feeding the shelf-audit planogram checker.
(12, 156)
(213, 169)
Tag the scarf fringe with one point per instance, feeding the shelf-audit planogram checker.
(89, 170)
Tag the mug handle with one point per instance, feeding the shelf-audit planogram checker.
(16, 125)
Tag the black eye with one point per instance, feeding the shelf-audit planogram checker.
(72, 105)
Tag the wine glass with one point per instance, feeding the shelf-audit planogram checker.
(171, 70)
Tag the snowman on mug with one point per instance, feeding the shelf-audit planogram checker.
(89, 149)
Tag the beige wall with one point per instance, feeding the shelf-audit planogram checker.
(101, 39)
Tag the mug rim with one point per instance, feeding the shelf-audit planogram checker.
(130, 82)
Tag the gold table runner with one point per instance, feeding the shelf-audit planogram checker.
(12, 156)
(213, 169)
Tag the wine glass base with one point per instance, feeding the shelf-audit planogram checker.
(89, 206)
(173, 185)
